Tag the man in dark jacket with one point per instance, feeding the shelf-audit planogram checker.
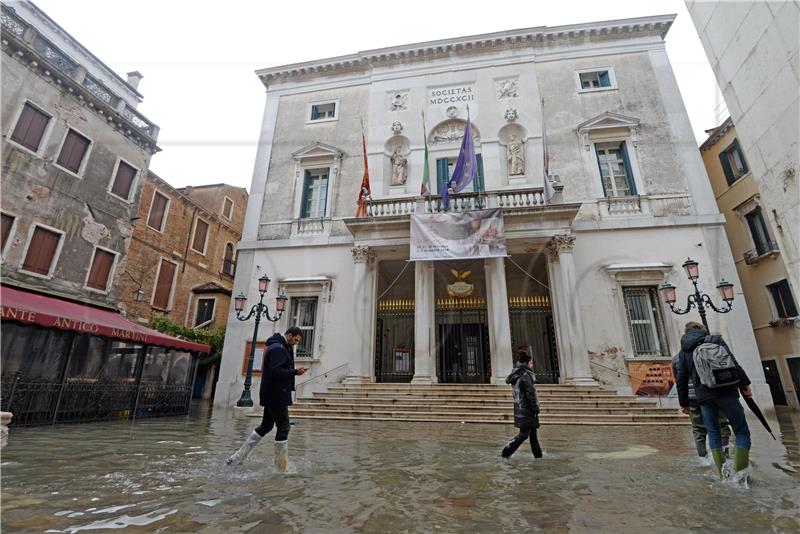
(526, 406)
(275, 395)
(712, 401)
(699, 432)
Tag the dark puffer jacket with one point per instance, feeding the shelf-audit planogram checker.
(277, 374)
(687, 373)
(526, 403)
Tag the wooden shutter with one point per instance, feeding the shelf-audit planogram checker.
(41, 250)
(157, 209)
(227, 209)
(200, 232)
(304, 198)
(101, 269)
(124, 180)
(75, 146)
(477, 183)
(30, 127)
(8, 222)
(164, 285)
(627, 162)
(726, 167)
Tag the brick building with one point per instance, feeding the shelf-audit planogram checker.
(182, 256)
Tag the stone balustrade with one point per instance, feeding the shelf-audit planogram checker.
(5, 420)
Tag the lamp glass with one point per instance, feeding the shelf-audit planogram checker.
(263, 284)
(692, 269)
(668, 292)
(280, 302)
(725, 290)
(238, 301)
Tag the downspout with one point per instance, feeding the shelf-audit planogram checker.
(188, 239)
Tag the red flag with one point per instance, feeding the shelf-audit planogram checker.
(365, 193)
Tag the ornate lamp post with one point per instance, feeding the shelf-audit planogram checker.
(701, 300)
(258, 310)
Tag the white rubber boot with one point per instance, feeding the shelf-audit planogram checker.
(239, 456)
(282, 455)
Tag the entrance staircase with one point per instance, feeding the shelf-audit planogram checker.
(475, 403)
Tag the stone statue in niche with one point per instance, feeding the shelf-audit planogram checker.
(516, 156)
(399, 164)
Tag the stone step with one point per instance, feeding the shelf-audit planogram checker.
(474, 409)
(471, 396)
(467, 404)
(392, 415)
(547, 422)
(458, 387)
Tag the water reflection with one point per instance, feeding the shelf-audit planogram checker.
(169, 475)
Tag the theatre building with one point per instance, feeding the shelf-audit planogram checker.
(74, 154)
(589, 183)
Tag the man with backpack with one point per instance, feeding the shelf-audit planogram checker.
(708, 362)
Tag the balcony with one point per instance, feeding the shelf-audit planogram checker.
(752, 257)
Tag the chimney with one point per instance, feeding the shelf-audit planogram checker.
(134, 78)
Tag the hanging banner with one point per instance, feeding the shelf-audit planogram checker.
(455, 236)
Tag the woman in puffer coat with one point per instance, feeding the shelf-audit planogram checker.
(526, 406)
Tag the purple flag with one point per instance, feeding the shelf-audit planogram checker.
(466, 168)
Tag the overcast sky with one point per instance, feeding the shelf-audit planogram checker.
(198, 58)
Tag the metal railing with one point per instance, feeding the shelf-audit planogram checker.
(753, 256)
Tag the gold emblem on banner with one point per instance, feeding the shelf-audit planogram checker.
(460, 288)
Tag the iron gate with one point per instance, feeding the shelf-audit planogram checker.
(532, 330)
(462, 342)
(394, 341)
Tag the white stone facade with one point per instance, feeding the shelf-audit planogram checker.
(574, 259)
(753, 48)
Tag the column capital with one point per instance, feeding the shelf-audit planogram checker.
(363, 254)
(561, 243)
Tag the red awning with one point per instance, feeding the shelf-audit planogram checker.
(51, 312)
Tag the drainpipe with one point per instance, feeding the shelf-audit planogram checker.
(188, 239)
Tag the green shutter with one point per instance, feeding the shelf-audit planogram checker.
(726, 167)
(441, 177)
(627, 161)
(304, 200)
(477, 184)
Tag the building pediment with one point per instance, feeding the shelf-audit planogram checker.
(608, 121)
(317, 150)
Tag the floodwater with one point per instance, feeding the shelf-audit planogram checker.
(168, 475)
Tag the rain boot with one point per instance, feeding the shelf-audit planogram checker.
(239, 456)
(282, 455)
(719, 459)
(741, 459)
(702, 452)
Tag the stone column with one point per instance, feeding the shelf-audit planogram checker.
(557, 307)
(424, 324)
(363, 311)
(576, 357)
(499, 321)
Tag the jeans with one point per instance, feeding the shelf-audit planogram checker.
(699, 429)
(275, 416)
(733, 410)
(519, 439)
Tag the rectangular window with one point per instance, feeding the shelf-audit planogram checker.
(7, 225)
(645, 321)
(304, 315)
(158, 212)
(200, 235)
(205, 311)
(73, 151)
(594, 80)
(315, 194)
(30, 128)
(733, 162)
(123, 181)
(227, 208)
(166, 274)
(323, 111)
(782, 297)
(100, 270)
(759, 232)
(41, 251)
(615, 169)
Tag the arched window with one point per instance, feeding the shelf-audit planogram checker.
(229, 265)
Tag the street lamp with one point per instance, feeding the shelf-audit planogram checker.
(701, 300)
(258, 310)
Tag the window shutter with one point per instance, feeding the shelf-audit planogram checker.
(72, 152)
(30, 127)
(627, 161)
(41, 250)
(477, 183)
(200, 232)
(726, 167)
(441, 175)
(304, 198)
(8, 222)
(738, 149)
(164, 285)
(600, 168)
(100, 270)
(123, 180)
(156, 219)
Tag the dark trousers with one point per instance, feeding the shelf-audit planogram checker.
(275, 416)
(519, 439)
